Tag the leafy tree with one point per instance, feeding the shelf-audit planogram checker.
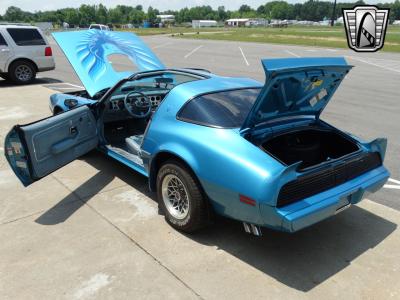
(14, 14)
(72, 16)
(101, 14)
(244, 8)
(313, 10)
(136, 16)
(152, 14)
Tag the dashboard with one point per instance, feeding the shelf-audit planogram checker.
(117, 102)
(116, 108)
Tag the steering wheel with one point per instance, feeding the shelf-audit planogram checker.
(142, 106)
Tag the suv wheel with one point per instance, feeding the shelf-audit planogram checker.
(22, 72)
(180, 197)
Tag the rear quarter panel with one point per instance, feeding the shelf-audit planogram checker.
(224, 162)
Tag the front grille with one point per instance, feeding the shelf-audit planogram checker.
(311, 184)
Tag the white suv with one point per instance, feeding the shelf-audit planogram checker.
(24, 51)
(99, 27)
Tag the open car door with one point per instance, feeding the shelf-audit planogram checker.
(38, 149)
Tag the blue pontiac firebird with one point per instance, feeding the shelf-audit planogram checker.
(254, 152)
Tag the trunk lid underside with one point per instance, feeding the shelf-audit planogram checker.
(296, 86)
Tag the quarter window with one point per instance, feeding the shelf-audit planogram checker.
(2, 41)
(26, 37)
(227, 109)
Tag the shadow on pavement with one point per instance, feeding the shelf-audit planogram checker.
(307, 258)
(41, 80)
(302, 260)
(108, 170)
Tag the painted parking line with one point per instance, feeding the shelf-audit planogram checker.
(292, 54)
(381, 63)
(193, 51)
(162, 45)
(74, 85)
(395, 186)
(244, 57)
(63, 86)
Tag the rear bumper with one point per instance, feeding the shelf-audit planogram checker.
(45, 63)
(316, 208)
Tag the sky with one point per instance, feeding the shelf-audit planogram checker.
(35, 5)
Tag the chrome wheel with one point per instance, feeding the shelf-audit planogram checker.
(175, 196)
(23, 73)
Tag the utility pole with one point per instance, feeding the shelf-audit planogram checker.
(333, 14)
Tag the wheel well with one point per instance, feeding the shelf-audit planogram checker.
(24, 59)
(158, 161)
(156, 164)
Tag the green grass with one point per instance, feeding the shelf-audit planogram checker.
(171, 30)
(307, 36)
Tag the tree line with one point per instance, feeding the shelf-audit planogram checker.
(85, 15)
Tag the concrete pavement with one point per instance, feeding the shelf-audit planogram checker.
(91, 230)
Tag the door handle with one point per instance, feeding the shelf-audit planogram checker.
(5, 50)
(73, 130)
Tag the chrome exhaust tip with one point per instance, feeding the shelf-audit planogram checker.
(252, 229)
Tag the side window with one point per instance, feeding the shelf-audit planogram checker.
(26, 37)
(2, 41)
(227, 109)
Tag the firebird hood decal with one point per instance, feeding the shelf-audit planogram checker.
(296, 86)
(88, 53)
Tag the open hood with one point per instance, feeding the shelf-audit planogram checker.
(296, 86)
(88, 52)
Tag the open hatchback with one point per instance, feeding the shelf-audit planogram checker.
(285, 123)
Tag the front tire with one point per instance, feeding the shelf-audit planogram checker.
(180, 197)
(22, 72)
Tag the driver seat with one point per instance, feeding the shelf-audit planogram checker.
(133, 143)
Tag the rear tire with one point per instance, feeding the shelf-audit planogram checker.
(22, 72)
(181, 198)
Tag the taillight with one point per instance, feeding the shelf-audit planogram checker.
(48, 52)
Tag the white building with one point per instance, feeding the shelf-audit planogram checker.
(166, 18)
(204, 23)
(256, 22)
(236, 22)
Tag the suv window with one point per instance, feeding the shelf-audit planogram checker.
(94, 27)
(227, 109)
(26, 37)
(2, 41)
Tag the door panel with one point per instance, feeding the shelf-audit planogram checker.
(38, 149)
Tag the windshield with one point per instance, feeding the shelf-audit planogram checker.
(160, 82)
